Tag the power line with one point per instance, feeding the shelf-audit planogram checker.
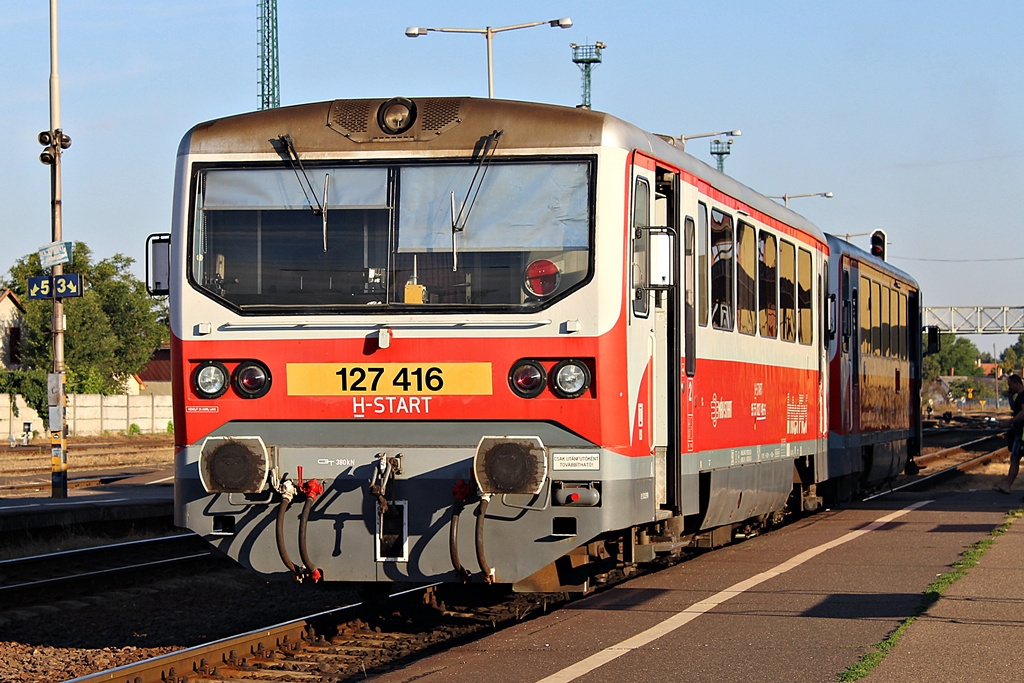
(959, 260)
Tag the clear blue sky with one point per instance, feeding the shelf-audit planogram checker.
(910, 112)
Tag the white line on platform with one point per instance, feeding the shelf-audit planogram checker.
(679, 619)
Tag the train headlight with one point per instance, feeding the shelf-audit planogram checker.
(510, 464)
(251, 379)
(234, 464)
(570, 378)
(527, 378)
(210, 379)
(396, 115)
(542, 277)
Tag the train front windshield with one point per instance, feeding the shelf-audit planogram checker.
(273, 239)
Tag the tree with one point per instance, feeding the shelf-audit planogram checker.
(111, 331)
(1013, 357)
(957, 356)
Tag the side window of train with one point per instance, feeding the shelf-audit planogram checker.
(903, 332)
(768, 284)
(886, 341)
(876, 319)
(690, 314)
(847, 319)
(894, 323)
(805, 302)
(746, 269)
(722, 250)
(641, 244)
(702, 264)
(787, 291)
(865, 316)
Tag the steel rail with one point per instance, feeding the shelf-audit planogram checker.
(174, 666)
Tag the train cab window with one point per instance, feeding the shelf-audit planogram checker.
(787, 291)
(768, 284)
(746, 268)
(702, 263)
(515, 236)
(641, 247)
(722, 250)
(805, 302)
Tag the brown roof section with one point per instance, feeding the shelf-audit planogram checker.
(158, 369)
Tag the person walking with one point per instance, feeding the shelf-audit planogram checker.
(1016, 425)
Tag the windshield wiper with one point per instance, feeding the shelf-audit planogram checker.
(285, 146)
(489, 145)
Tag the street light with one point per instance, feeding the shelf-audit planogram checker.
(488, 33)
(683, 138)
(787, 197)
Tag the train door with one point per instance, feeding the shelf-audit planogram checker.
(668, 332)
(655, 313)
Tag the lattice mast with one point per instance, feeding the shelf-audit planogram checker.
(587, 57)
(270, 86)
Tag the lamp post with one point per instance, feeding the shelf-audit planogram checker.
(488, 33)
(731, 133)
(787, 197)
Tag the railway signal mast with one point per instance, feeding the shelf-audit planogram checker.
(586, 57)
(54, 256)
(270, 85)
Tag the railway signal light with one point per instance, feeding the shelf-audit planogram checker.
(878, 242)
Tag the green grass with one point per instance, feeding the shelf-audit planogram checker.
(969, 558)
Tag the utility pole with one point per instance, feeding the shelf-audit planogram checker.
(586, 57)
(721, 149)
(270, 86)
(55, 142)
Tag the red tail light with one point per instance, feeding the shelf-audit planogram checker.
(542, 277)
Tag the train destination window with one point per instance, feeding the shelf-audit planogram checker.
(805, 305)
(746, 269)
(721, 270)
(787, 291)
(386, 236)
(768, 284)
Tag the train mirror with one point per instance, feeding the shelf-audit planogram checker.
(158, 264)
(933, 345)
(661, 272)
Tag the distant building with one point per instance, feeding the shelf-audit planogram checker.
(155, 378)
(12, 320)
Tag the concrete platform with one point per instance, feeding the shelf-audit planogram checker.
(799, 604)
(128, 496)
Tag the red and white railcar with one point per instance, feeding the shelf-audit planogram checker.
(477, 340)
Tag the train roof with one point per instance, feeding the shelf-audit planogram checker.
(446, 123)
(838, 247)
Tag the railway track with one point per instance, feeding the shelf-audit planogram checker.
(363, 639)
(25, 581)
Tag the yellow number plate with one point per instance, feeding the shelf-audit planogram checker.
(389, 379)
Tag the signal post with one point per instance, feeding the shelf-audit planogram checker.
(55, 142)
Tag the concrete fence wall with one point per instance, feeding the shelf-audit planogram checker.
(93, 414)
